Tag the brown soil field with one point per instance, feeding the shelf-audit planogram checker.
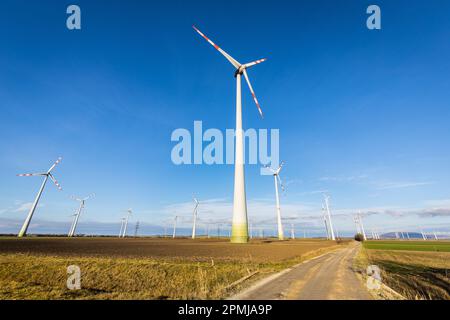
(197, 250)
(144, 268)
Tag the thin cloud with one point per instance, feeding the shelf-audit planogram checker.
(400, 185)
(344, 178)
(433, 213)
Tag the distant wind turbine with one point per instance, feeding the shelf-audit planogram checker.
(194, 222)
(361, 225)
(46, 175)
(175, 227)
(277, 179)
(325, 221)
(327, 205)
(239, 222)
(125, 227)
(77, 216)
(122, 223)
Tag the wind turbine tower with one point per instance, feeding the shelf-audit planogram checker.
(175, 227)
(122, 223)
(82, 202)
(194, 223)
(358, 229)
(136, 229)
(361, 225)
(423, 235)
(327, 205)
(325, 222)
(239, 222)
(292, 232)
(277, 179)
(124, 233)
(46, 175)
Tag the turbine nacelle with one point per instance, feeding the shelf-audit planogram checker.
(240, 68)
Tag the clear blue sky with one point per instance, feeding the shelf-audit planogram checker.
(363, 114)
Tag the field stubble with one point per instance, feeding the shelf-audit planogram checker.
(416, 274)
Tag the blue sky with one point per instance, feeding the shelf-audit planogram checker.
(362, 114)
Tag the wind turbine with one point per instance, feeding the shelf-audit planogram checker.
(124, 232)
(277, 179)
(136, 229)
(325, 222)
(240, 222)
(327, 205)
(292, 232)
(77, 216)
(358, 229)
(71, 225)
(195, 217)
(122, 222)
(361, 225)
(46, 175)
(423, 235)
(175, 227)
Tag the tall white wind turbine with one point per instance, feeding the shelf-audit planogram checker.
(361, 225)
(124, 232)
(77, 215)
(46, 175)
(122, 223)
(73, 221)
(277, 179)
(240, 222)
(194, 222)
(175, 227)
(325, 222)
(330, 223)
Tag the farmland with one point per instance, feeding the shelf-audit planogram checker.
(435, 246)
(415, 269)
(143, 268)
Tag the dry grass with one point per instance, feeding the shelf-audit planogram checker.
(201, 276)
(413, 274)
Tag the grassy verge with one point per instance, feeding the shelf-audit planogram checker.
(28, 276)
(415, 274)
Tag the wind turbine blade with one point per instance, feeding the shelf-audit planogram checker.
(253, 93)
(31, 174)
(89, 197)
(280, 182)
(226, 55)
(55, 182)
(279, 168)
(251, 64)
(54, 165)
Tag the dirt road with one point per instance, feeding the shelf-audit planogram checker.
(327, 277)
